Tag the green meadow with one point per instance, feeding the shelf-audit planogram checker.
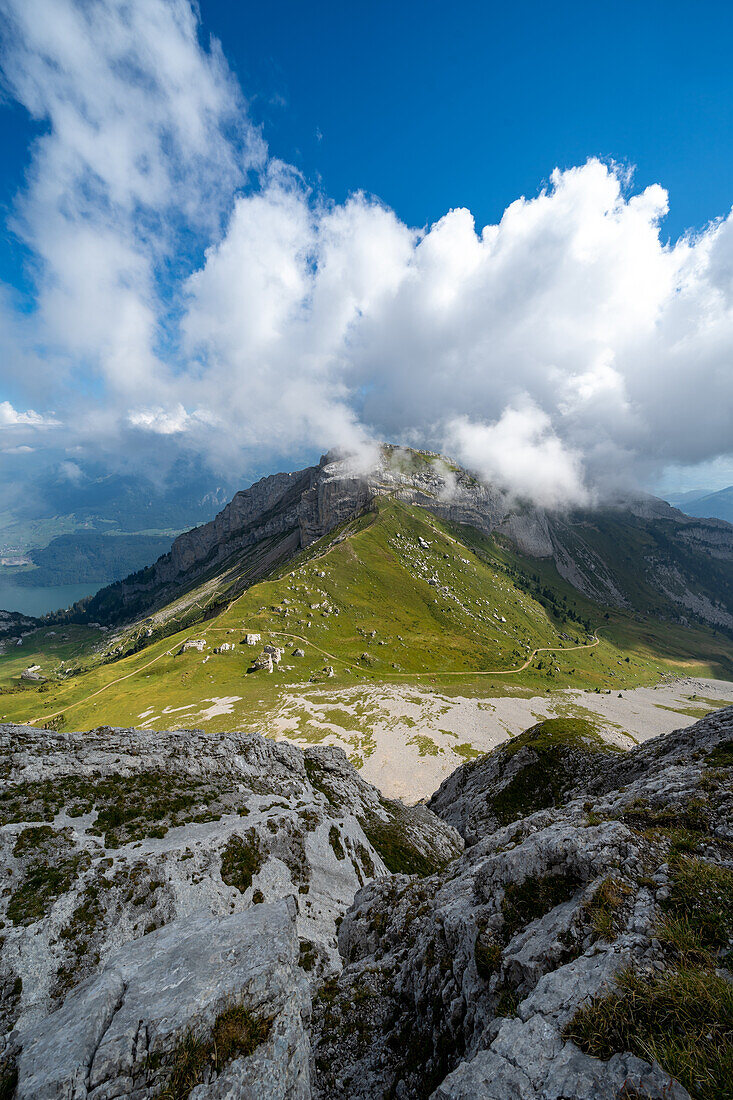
(395, 597)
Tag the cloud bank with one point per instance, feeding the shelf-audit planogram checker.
(192, 292)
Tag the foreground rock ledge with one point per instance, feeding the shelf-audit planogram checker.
(159, 884)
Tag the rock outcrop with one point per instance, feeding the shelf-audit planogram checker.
(121, 849)
(119, 1033)
(470, 984)
(227, 916)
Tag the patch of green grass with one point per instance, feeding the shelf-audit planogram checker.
(49, 866)
(129, 807)
(34, 839)
(489, 609)
(560, 733)
(688, 712)
(702, 894)
(468, 752)
(605, 908)
(399, 854)
(308, 955)
(682, 1019)
(562, 751)
(40, 887)
(425, 745)
(689, 816)
(721, 756)
(399, 842)
(236, 1033)
(334, 839)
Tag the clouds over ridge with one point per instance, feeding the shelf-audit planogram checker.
(560, 352)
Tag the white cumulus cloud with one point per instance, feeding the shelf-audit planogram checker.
(13, 418)
(193, 289)
(522, 453)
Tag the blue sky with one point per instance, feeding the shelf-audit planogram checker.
(431, 105)
(261, 234)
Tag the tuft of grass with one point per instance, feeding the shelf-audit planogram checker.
(308, 955)
(605, 907)
(689, 817)
(35, 837)
(701, 894)
(487, 955)
(683, 1020)
(399, 853)
(236, 1033)
(681, 937)
(334, 839)
(721, 756)
(508, 1000)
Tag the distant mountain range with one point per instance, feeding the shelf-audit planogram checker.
(100, 527)
(702, 502)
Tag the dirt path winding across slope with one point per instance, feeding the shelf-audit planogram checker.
(332, 657)
(444, 672)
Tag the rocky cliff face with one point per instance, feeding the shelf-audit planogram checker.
(224, 916)
(630, 555)
(283, 513)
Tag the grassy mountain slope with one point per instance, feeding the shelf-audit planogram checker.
(395, 596)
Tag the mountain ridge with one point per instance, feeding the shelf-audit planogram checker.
(279, 515)
(717, 503)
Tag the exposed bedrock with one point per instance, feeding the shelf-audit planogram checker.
(226, 916)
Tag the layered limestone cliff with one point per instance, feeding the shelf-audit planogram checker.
(604, 553)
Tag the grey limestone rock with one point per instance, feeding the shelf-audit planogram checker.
(155, 879)
(461, 985)
(116, 1033)
(108, 836)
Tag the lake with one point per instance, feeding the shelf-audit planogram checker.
(38, 601)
